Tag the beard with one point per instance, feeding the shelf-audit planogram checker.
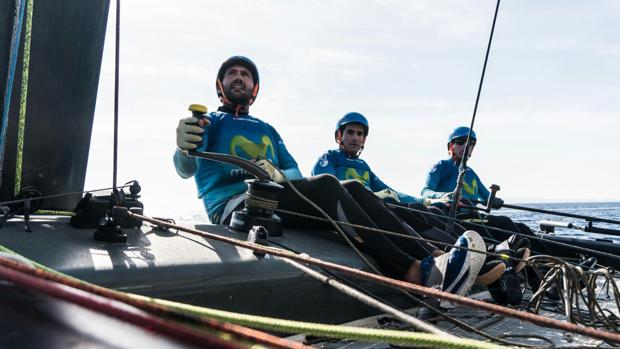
(237, 97)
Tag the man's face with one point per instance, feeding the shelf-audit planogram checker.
(238, 84)
(458, 148)
(352, 139)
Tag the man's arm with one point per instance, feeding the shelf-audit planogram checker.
(432, 183)
(190, 135)
(185, 165)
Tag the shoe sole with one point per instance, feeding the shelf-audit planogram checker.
(466, 276)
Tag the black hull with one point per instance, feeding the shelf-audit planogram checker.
(601, 245)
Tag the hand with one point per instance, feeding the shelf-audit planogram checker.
(189, 132)
(497, 203)
(435, 202)
(387, 193)
(273, 172)
(447, 196)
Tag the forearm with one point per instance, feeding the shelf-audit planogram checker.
(431, 194)
(184, 165)
(292, 173)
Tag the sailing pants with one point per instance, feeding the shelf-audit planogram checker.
(351, 202)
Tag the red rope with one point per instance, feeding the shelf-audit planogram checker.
(111, 295)
(114, 309)
(522, 315)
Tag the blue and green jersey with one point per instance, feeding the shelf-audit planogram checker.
(441, 179)
(244, 136)
(342, 166)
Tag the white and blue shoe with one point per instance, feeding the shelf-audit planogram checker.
(455, 271)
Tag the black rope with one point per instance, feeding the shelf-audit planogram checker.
(463, 166)
(61, 195)
(116, 85)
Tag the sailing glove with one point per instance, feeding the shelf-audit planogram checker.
(273, 172)
(189, 134)
(387, 193)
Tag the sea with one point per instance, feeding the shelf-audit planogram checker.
(606, 210)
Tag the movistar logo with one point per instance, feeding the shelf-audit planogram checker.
(351, 173)
(240, 145)
(473, 189)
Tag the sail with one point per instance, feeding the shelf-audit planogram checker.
(63, 61)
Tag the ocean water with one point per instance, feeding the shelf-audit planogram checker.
(608, 210)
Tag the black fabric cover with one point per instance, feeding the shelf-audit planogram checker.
(65, 60)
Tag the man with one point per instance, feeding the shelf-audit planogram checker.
(440, 184)
(344, 163)
(221, 187)
(441, 180)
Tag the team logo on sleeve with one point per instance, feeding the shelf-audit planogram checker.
(245, 148)
(323, 161)
(351, 173)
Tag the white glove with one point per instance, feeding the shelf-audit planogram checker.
(431, 202)
(189, 133)
(273, 172)
(387, 194)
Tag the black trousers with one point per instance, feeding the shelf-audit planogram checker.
(351, 202)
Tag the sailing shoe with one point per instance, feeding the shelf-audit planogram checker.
(456, 270)
(517, 247)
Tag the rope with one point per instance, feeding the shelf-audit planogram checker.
(116, 87)
(17, 29)
(531, 237)
(536, 319)
(463, 165)
(104, 306)
(398, 314)
(23, 99)
(147, 304)
(273, 324)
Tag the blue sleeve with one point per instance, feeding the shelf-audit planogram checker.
(432, 183)
(285, 159)
(185, 165)
(325, 164)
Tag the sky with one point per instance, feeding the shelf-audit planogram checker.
(547, 121)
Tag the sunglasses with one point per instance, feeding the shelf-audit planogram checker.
(461, 141)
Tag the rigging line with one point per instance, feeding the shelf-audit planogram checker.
(103, 305)
(387, 232)
(472, 303)
(463, 165)
(456, 322)
(351, 292)
(329, 219)
(545, 241)
(20, 7)
(116, 87)
(59, 195)
(23, 99)
(150, 305)
(557, 213)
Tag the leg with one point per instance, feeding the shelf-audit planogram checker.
(387, 220)
(327, 192)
